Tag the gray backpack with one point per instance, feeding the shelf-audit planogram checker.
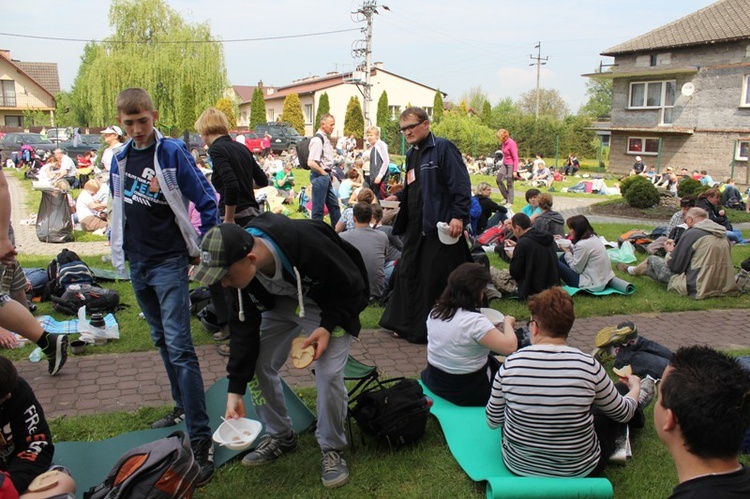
(164, 469)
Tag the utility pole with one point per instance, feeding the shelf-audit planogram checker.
(540, 61)
(363, 48)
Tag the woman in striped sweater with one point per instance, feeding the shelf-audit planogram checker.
(549, 398)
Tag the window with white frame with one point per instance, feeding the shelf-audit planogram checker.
(658, 95)
(428, 110)
(308, 113)
(743, 150)
(745, 102)
(7, 93)
(643, 146)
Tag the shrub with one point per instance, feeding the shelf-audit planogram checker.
(690, 187)
(642, 194)
(630, 181)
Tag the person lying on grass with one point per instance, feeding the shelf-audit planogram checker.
(461, 340)
(557, 404)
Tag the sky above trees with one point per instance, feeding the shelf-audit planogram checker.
(445, 44)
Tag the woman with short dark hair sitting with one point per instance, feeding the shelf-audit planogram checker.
(585, 264)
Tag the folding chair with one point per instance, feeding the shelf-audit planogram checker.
(365, 376)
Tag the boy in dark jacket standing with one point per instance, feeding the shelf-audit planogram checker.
(292, 277)
(151, 181)
(533, 263)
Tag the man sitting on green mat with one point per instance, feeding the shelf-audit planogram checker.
(26, 448)
(701, 415)
(292, 276)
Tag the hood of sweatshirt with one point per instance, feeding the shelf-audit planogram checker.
(711, 227)
(540, 236)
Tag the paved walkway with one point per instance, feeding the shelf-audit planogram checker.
(110, 382)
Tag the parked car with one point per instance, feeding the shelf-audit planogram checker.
(57, 135)
(283, 136)
(88, 142)
(11, 143)
(195, 145)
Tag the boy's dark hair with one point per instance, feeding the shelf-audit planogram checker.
(362, 212)
(8, 376)
(134, 101)
(521, 220)
(464, 290)
(417, 112)
(709, 394)
(532, 193)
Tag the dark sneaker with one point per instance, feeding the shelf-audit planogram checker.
(612, 335)
(57, 352)
(175, 417)
(334, 471)
(269, 449)
(203, 452)
(648, 391)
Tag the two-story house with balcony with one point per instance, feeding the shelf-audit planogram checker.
(681, 94)
(25, 86)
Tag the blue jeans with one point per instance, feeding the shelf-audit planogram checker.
(568, 275)
(324, 195)
(645, 357)
(162, 294)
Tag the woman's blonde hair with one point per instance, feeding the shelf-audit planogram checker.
(373, 129)
(212, 122)
(545, 201)
(502, 135)
(480, 188)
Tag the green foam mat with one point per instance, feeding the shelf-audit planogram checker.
(477, 448)
(91, 461)
(615, 286)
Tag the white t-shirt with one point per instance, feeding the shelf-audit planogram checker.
(67, 166)
(82, 205)
(453, 346)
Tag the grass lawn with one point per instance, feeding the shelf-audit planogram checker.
(425, 470)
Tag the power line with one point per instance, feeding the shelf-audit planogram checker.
(234, 40)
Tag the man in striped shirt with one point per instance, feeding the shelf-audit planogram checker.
(550, 398)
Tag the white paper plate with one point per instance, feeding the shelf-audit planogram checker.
(493, 315)
(249, 429)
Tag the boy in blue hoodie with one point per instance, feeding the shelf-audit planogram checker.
(151, 181)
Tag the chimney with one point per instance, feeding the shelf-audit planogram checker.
(5, 53)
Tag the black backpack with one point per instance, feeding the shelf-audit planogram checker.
(396, 415)
(303, 150)
(162, 469)
(65, 269)
(93, 298)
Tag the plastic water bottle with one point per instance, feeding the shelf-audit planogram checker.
(36, 355)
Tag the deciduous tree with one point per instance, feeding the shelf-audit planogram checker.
(599, 104)
(550, 103)
(152, 47)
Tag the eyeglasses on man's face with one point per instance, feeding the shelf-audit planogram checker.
(408, 128)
